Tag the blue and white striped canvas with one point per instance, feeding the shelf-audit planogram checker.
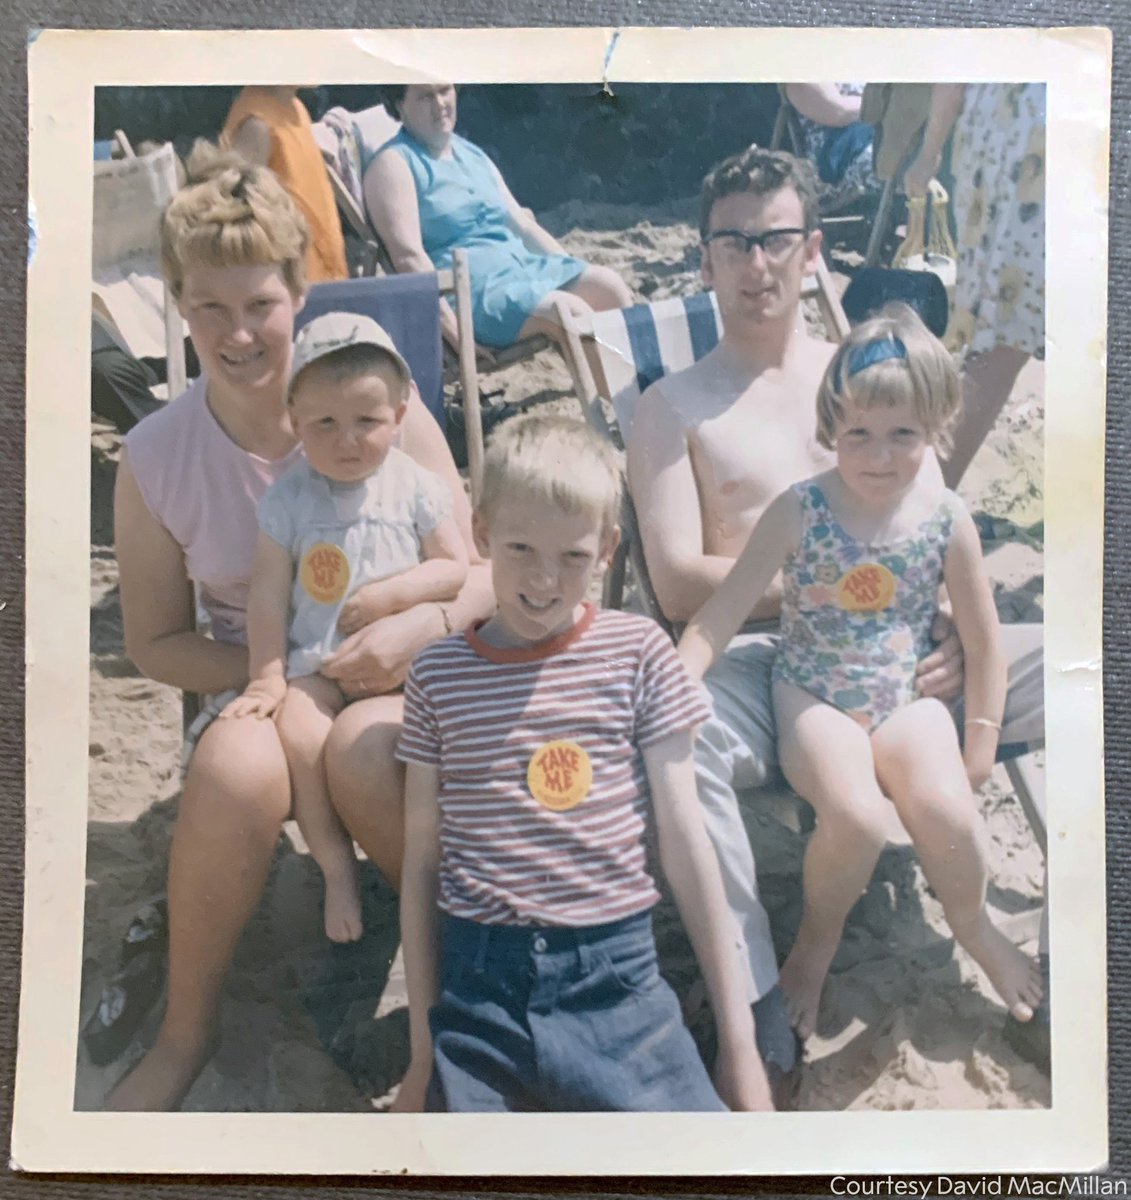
(642, 344)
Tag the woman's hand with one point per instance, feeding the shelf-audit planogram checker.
(824, 103)
(942, 673)
(361, 609)
(376, 659)
(260, 699)
(920, 173)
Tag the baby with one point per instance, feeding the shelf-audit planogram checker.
(351, 534)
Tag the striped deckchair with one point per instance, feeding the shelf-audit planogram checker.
(642, 344)
(635, 347)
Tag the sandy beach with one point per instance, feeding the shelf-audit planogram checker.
(908, 1021)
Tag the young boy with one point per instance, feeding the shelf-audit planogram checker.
(353, 532)
(538, 747)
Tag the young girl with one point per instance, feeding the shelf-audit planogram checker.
(863, 549)
(354, 532)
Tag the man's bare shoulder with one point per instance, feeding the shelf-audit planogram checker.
(689, 396)
(693, 379)
(708, 387)
(816, 353)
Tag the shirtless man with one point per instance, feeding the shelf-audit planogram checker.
(719, 442)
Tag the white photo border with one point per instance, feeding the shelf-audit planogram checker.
(48, 1135)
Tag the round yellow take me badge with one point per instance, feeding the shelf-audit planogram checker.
(325, 573)
(867, 587)
(559, 775)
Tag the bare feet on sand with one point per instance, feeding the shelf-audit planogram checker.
(162, 1079)
(1016, 977)
(342, 906)
(803, 979)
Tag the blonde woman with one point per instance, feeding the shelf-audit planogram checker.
(190, 478)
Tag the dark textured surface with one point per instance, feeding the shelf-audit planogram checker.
(17, 16)
(549, 140)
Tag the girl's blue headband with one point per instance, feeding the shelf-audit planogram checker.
(867, 354)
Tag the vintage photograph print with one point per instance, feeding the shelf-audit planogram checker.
(585, 600)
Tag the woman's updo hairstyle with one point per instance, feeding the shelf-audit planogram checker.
(232, 213)
(392, 97)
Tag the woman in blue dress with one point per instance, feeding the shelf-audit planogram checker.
(430, 191)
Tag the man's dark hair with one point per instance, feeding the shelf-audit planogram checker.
(760, 172)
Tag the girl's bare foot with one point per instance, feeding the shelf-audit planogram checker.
(163, 1077)
(342, 906)
(803, 979)
(1016, 977)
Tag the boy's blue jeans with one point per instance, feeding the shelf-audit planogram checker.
(540, 1019)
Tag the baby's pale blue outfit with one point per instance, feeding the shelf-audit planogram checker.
(461, 206)
(342, 536)
(856, 617)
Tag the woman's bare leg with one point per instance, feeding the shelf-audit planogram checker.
(920, 766)
(366, 781)
(827, 758)
(987, 382)
(307, 714)
(233, 805)
(596, 289)
(601, 288)
(604, 289)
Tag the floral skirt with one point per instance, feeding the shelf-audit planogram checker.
(998, 164)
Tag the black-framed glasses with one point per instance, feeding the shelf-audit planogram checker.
(774, 243)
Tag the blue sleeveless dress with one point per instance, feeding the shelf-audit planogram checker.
(461, 206)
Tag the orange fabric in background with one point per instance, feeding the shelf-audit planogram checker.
(297, 161)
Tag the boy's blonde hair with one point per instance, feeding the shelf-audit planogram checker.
(557, 460)
(231, 213)
(889, 359)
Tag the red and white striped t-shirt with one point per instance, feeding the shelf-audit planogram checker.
(543, 793)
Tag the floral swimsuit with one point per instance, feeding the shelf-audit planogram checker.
(856, 618)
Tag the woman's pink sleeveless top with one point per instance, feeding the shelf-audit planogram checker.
(204, 489)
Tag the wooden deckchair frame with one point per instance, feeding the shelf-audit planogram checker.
(593, 405)
(176, 374)
(787, 127)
